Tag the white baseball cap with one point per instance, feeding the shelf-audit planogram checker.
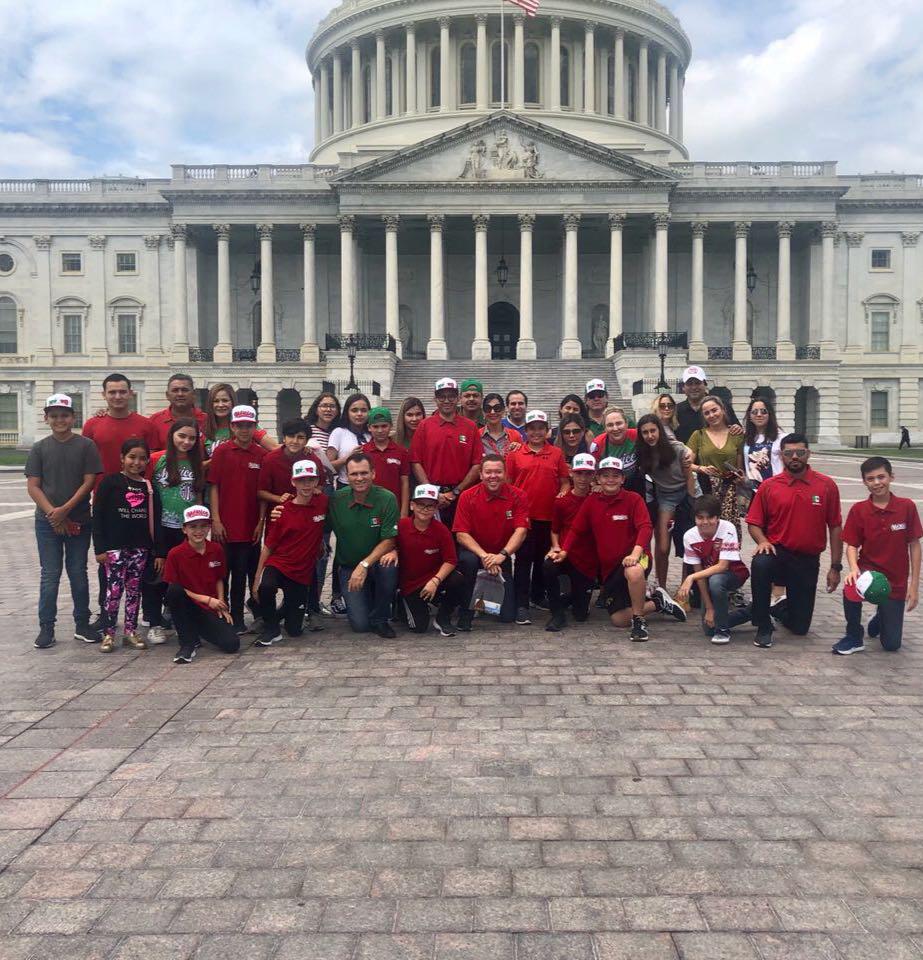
(60, 401)
(610, 463)
(243, 414)
(694, 373)
(446, 383)
(585, 461)
(426, 491)
(191, 514)
(593, 386)
(304, 469)
(537, 416)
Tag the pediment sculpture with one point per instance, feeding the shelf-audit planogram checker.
(501, 161)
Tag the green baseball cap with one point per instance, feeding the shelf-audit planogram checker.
(379, 413)
(471, 383)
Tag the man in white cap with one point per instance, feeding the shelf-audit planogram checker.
(446, 449)
(688, 416)
(597, 399)
(61, 470)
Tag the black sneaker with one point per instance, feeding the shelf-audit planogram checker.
(465, 619)
(664, 603)
(45, 638)
(386, 631)
(522, 616)
(445, 628)
(185, 655)
(555, 623)
(99, 624)
(778, 609)
(85, 632)
(639, 632)
(874, 627)
(268, 636)
(311, 625)
(763, 637)
(240, 628)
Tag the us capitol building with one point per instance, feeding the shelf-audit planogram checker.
(454, 223)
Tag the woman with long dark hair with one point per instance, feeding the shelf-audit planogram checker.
(718, 457)
(572, 436)
(221, 400)
(321, 418)
(762, 442)
(569, 405)
(350, 432)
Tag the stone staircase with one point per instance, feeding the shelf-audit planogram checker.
(545, 382)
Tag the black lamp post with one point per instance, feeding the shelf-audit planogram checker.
(663, 343)
(255, 278)
(352, 345)
(751, 278)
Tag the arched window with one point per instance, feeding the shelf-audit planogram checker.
(389, 105)
(435, 78)
(8, 326)
(467, 70)
(533, 79)
(495, 72)
(565, 77)
(366, 94)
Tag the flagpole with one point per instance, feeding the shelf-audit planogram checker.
(502, 61)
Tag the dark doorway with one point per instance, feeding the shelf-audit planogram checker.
(503, 330)
(807, 412)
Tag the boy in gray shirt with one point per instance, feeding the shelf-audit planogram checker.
(60, 471)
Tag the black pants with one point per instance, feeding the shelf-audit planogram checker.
(468, 565)
(153, 589)
(193, 624)
(242, 561)
(448, 597)
(530, 557)
(294, 598)
(577, 595)
(797, 572)
(103, 588)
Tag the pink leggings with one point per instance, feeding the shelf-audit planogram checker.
(123, 575)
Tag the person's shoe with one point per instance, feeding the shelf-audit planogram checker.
(156, 636)
(874, 627)
(763, 637)
(639, 632)
(737, 599)
(664, 603)
(522, 616)
(240, 628)
(465, 619)
(778, 608)
(99, 624)
(386, 631)
(109, 643)
(45, 638)
(134, 641)
(84, 631)
(268, 636)
(555, 623)
(721, 637)
(185, 655)
(445, 628)
(847, 645)
(311, 625)
(338, 607)
(324, 610)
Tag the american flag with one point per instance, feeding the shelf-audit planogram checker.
(530, 6)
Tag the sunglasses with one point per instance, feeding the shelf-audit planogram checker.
(493, 407)
(595, 395)
(795, 454)
(756, 412)
(572, 433)
(666, 406)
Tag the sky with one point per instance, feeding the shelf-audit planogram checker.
(127, 87)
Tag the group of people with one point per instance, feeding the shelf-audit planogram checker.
(198, 516)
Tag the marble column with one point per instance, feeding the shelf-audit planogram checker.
(180, 348)
(698, 349)
(396, 77)
(480, 346)
(829, 349)
(310, 348)
(570, 340)
(337, 92)
(266, 351)
(741, 347)
(642, 92)
(380, 91)
(660, 99)
(411, 65)
(436, 347)
(854, 337)
(589, 67)
(45, 341)
(224, 347)
(616, 224)
(680, 88)
(619, 74)
(674, 99)
(910, 310)
(315, 88)
(525, 347)
(785, 348)
(355, 79)
(481, 73)
(445, 65)
(661, 274)
(519, 62)
(392, 298)
(347, 275)
(153, 341)
(323, 106)
(555, 68)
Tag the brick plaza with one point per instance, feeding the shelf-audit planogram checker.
(509, 794)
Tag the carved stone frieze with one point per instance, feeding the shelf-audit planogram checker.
(501, 161)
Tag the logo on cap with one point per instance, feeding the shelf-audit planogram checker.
(243, 414)
(426, 491)
(446, 383)
(191, 514)
(694, 373)
(610, 463)
(536, 416)
(584, 461)
(304, 469)
(595, 386)
(60, 400)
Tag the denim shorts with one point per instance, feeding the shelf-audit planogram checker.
(669, 500)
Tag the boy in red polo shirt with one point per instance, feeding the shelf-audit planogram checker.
(881, 533)
(289, 556)
(427, 564)
(390, 461)
(237, 513)
(194, 572)
(618, 523)
(539, 469)
(275, 480)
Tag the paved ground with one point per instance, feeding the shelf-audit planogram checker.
(507, 795)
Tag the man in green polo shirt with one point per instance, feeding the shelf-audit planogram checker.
(472, 400)
(363, 518)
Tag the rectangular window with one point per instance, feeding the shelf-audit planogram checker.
(78, 408)
(878, 415)
(73, 333)
(126, 263)
(9, 411)
(881, 258)
(881, 332)
(128, 333)
(71, 263)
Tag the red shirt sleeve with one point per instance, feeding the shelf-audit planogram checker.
(417, 443)
(642, 521)
(405, 462)
(170, 572)
(275, 529)
(265, 479)
(152, 463)
(556, 510)
(462, 522)
(852, 531)
(914, 527)
(477, 448)
(834, 513)
(512, 468)
(215, 469)
(447, 545)
(756, 515)
(520, 509)
(563, 468)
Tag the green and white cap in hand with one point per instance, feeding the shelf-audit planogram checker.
(871, 586)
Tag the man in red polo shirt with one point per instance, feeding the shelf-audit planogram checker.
(789, 519)
(237, 513)
(181, 404)
(539, 469)
(491, 523)
(390, 461)
(446, 449)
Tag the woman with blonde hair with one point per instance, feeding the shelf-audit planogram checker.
(664, 409)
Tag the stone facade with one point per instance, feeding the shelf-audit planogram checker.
(445, 218)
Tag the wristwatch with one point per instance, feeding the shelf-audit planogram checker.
(505, 553)
(456, 491)
(836, 566)
(364, 563)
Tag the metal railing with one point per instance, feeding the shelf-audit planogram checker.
(719, 353)
(651, 341)
(9, 438)
(361, 341)
(201, 355)
(342, 388)
(764, 353)
(810, 351)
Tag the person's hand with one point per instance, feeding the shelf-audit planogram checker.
(764, 547)
(833, 580)
(257, 532)
(357, 579)
(158, 565)
(687, 459)
(552, 554)
(560, 557)
(913, 597)
(218, 532)
(708, 617)
(287, 496)
(389, 559)
(429, 589)
(100, 411)
(492, 561)
(57, 516)
(102, 557)
(563, 493)
(684, 588)
(447, 498)
(276, 513)
(735, 431)
(850, 578)
(629, 561)
(710, 472)
(225, 616)
(514, 447)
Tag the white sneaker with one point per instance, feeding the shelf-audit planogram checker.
(156, 636)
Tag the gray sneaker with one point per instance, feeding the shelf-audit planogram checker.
(522, 616)
(45, 638)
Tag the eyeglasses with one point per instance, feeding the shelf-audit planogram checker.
(493, 407)
(595, 395)
(424, 505)
(795, 454)
(756, 412)
(666, 406)
(572, 433)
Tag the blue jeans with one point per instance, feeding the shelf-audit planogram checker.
(56, 553)
(719, 586)
(890, 622)
(369, 607)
